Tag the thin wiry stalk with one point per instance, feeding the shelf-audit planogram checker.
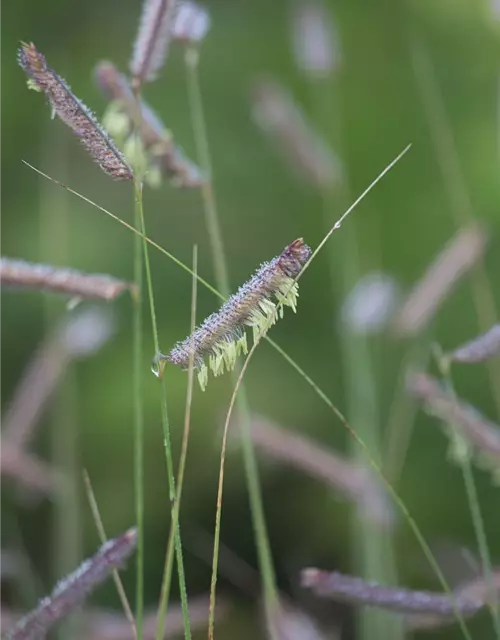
(399, 502)
(164, 414)
(460, 202)
(373, 550)
(475, 510)
(402, 412)
(271, 612)
(169, 558)
(102, 535)
(138, 427)
(222, 280)
(301, 372)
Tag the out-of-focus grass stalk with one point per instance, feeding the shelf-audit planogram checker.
(138, 428)
(403, 410)
(222, 280)
(169, 558)
(374, 556)
(138, 189)
(474, 507)
(55, 245)
(454, 182)
(462, 211)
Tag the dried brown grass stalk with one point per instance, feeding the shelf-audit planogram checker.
(354, 482)
(280, 118)
(154, 136)
(483, 434)
(455, 260)
(70, 592)
(74, 113)
(350, 589)
(42, 277)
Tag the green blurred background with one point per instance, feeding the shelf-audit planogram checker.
(370, 110)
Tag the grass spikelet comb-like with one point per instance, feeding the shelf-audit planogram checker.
(257, 304)
(74, 113)
(153, 37)
(70, 592)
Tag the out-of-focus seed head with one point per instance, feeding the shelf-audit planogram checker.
(315, 41)
(370, 304)
(191, 23)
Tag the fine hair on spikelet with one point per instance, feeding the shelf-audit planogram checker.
(221, 336)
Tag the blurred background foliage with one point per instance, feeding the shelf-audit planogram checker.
(370, 110)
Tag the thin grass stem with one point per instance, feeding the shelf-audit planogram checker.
(474, 507)
(222, 280)
(103, 538)
(138, 427)
(169, 557)
(398, 501)
(164, 415)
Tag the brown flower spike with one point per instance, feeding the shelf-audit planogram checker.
(74, 113)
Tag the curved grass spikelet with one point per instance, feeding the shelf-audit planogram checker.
(258, 303)
(74, 113)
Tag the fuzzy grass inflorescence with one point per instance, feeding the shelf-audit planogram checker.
(74, 113)
(222, 336)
